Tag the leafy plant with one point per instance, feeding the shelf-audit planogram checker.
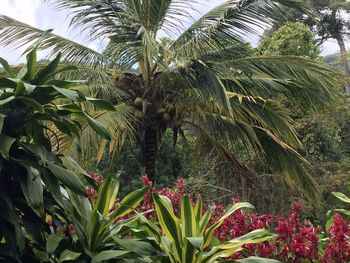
(99, 225)
(190, 238)
(32, 175)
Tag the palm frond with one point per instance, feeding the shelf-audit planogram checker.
(219, 134)
(230, 22)
(120, 123)
(16, 34)
(302, 81)
(285, 161)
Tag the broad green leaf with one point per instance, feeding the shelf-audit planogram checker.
(141, 248)
(70, 94)
(71, 162)
(20, 89)
(130, 202)
(103, 104)
(341, 197)
(257, 260)
(7, 83)
(42, 255)
(68, 255)
(64, 84)
(107, 194)
(53, 186)
(72, 107)
(31, 65)
(188, 219)
(188, 251)
(169, 223)
(5, 145)
(96, 126)
(2, 118)
(107, 255)
(31, 102)
(6, 67)
(52, 243)
(45, 73)
(210, 231)
(32, 189)
(7, 100)
(8, 213)
(195, 241)
(68, 127)
(68, 178)
(343, 211)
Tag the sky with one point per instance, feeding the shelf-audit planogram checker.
(43, 15)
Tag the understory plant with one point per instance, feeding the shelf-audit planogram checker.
(190, 238)
(33, 103)
(96, 227)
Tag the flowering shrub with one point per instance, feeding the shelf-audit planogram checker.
(297, 240)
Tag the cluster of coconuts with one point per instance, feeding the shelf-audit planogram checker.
(166, 114)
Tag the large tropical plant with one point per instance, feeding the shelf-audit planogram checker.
(32, 175)
(200, 81)
(98, 226)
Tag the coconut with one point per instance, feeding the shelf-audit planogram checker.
(138, 101)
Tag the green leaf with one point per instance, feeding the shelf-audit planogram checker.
(188, 220)
(341, 197)
(68, 178)
(32, 188)
(141, 248)
(53, 186)
(31, 65)
(8, 99)
(7, 83)
(31, 102)
(130, 202)
(210, 231)
(68, 255)
(8, 214)
(103, 104)
(257, 260)
(107, 194)
(45, 73)
(2, 118)
(52, 243)
(42, 255)
(107, 255)
(5, 145)
(169, 223)
(96, 126)
(70, 94)
(6, 67)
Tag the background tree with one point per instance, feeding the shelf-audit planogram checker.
(291, 39)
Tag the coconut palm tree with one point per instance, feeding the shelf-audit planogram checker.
(200, 79)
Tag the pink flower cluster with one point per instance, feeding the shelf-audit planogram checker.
(338, 248)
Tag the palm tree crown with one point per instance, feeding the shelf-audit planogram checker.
(201, 79)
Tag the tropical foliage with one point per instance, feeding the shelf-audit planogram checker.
(32, 104)
(199, 81)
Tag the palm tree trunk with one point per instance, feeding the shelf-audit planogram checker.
(344, 60)
(150, 150)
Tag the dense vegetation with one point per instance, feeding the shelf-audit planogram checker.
(141, 152)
